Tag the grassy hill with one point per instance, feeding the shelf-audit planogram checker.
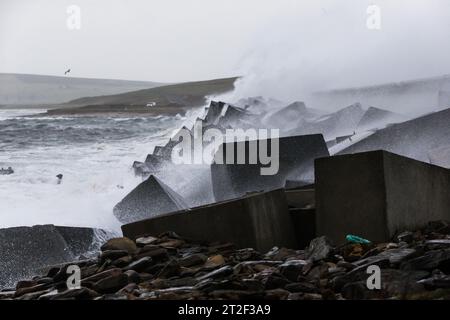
(170, 99)
(27, 89)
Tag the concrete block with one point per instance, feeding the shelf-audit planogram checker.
(214, 112)
(376, 194)
(301, 198)
(296, 162)
(259, 221)
(25, 250)
(150, 198)
(304, 224)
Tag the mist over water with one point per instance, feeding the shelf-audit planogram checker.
(307, 47)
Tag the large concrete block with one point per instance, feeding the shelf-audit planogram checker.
(413, 139)
(304, 224)
(149, 199)
(301, 198)
(296, 162)
(376, 194)
(25, 250)
(214, 112)
(259, 221)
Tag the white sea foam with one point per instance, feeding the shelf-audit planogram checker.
(97, 173)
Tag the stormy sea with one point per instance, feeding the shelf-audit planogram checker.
(93, 154)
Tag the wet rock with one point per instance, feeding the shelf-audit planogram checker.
(140, 265)
(440, 226)
(276, 294)
(246, 254)
(112, 255)
(33, 295)
(301, 287)
(102, 275)
(429, 261)
(406, 236)
(123, 243)
(280, 253)
(437, 281)
(214, 262)
(319, 249)
(397, 256)
(143, 241)
(437, 244)
(111, 284)
(172, 268)
(133, 276)
(172, 243)
(292, 269)
(25, 284)
(193, 260)
(122, 262)
(129, 288)
(155, 252)
(31, 289)
(222, 272)
(77, 294)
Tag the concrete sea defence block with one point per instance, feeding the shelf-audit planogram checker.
(258, 221)
(376, 194)
(150, 198)
(25, 250)
(296, 161)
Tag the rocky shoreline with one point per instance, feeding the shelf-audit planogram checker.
(415, 265)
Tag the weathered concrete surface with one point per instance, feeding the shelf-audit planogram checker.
(258, 221)
(214, 112)
(339, 123)
(375, 194)
(25, 250)
(150, 198)
(415, 139)
(304, 224)
(81, 240)
(407, 96)
(296, 162)
(375, 118)
(301, 198)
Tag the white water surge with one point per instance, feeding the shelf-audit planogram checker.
(93, 154)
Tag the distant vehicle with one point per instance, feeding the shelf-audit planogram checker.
(151, 104)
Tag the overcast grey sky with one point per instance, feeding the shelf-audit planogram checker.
(277, 43)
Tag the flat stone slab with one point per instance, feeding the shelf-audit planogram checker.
(258, 221)
(376, 194)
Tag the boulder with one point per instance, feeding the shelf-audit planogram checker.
(149, 199)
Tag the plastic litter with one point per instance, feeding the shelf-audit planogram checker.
(355, 239)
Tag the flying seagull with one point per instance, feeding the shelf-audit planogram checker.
(68, 70)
